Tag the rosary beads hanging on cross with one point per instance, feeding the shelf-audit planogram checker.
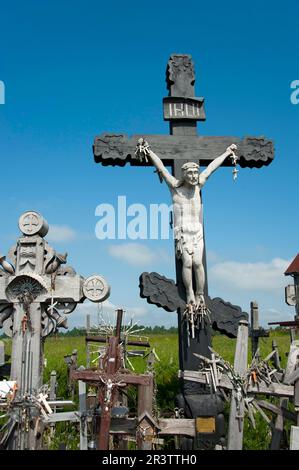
(234, 158)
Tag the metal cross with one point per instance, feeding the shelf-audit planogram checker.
(33, 300)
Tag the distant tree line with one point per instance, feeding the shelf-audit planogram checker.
(146, 330)
(151, 330)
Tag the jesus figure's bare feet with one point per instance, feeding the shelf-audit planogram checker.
(200, 301)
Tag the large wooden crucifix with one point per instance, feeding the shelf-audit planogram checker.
(182, 109)
(36, 291)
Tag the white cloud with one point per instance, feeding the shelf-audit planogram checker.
(273, 315)
(273, 311)
(107, 306)
(61, 233)
(106, 310)
(250, 276)
(135, 254)
(213, 257)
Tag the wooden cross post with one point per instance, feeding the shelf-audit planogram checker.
(256, 331)
(109, 380)
(236, 417)
(182, 109)
(35, 294)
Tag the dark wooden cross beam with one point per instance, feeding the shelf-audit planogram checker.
(285, 323)
(164, 293)
(174, 150)
(182, 109)
(102, 339)
(108, 381)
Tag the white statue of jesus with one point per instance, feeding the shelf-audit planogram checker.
(187, 212)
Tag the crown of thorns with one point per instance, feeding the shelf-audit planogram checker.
(188, 165)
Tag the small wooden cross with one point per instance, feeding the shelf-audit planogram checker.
(111, 378)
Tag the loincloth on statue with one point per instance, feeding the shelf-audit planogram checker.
(187, 242)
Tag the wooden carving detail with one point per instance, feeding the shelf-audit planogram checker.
(112, 149)
(255, 152)
(163, 292)
(119, 149)
(160, 291)
(225, 317)
(180, 76)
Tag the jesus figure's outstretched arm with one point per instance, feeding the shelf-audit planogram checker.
(171, 181)
(216, 164)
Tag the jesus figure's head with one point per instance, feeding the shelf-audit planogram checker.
(190, 173)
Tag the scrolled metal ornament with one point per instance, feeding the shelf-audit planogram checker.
(26, 285)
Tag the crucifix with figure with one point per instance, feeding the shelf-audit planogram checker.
(37, 290)
(110, 378)
(188, 227)
(183, 150)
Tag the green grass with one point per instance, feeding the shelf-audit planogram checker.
(166, 347)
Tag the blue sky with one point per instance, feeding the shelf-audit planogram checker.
(73, 70)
